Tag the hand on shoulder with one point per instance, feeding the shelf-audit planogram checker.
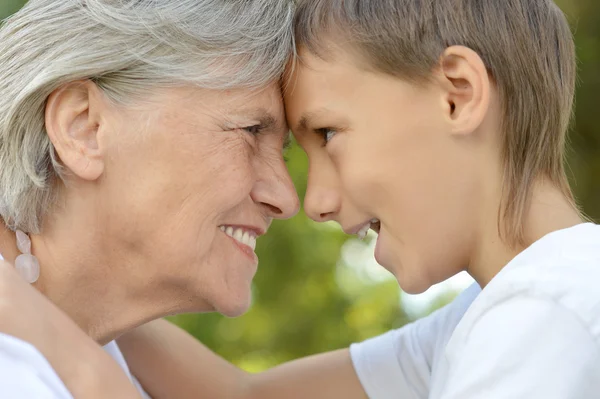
(82, 365)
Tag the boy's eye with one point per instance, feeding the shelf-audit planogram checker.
(326, 133)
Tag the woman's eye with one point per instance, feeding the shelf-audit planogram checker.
(326, 133)
(253, 130)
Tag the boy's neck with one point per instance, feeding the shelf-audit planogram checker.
(549, 211)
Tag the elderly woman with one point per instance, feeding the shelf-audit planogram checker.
(140, 159)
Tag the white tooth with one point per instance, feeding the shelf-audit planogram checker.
(374, 220)
(238, 234)
(362, 233)
(222, 228)
(245, 238)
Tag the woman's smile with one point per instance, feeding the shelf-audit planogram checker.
(244, 239)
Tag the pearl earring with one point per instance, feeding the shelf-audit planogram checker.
(26, 264)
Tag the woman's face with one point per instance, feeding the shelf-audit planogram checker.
(192, 178)
(379, 149)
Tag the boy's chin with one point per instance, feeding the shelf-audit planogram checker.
(413, 289)
(412, 284)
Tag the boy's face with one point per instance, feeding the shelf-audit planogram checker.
(380, 148)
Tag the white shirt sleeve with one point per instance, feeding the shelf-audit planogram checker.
(398, 364)
(526, 348)
(26, 374)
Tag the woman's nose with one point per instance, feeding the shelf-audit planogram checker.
(275, 191)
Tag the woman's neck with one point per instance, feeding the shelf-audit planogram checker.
(89, 287)
(8, 244)
(549, 211)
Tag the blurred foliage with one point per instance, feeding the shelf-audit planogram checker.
(8, 7)
(306, 300)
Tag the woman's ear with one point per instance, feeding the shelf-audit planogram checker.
(466, 85)
(73, 119)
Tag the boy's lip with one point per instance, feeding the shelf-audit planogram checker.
(376, 226)
(356, 228)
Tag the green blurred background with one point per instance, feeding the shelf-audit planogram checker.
(318, 290)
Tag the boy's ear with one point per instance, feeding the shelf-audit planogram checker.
(466, 84)
(73, 120)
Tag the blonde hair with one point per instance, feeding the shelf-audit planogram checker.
(526, 45)
(127, 48)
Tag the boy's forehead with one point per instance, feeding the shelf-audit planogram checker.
(311, 85)
(321, 74)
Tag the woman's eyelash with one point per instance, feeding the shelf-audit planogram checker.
(254, 130)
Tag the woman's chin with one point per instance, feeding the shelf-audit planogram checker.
(234, 304)
(229, 303)
(235, 310)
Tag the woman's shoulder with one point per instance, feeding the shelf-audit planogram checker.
(25, 372)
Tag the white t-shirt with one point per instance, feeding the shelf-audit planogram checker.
(533, 332)
(26, 374)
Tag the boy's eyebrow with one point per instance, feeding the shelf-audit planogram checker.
(307, 119)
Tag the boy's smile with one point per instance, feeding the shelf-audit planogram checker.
(383, 149)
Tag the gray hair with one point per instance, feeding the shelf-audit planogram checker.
(126, 47)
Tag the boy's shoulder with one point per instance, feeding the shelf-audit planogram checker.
(563, 267)
(534, 330)
(562, 270)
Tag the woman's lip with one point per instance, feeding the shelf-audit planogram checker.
(246, 250)
(258, 231)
